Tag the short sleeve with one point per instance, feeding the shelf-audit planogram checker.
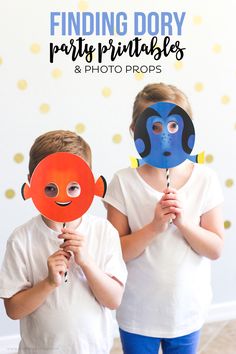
(115, 195)
(13, 274)
(214, 194)
(114, 263)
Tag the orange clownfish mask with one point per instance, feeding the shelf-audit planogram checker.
(62, 187)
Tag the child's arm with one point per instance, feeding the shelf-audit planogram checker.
(107, 290)
(133, 244)
(207, 238)
(26, 301)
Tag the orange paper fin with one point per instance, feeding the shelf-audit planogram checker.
(101, 187)
(25, 191)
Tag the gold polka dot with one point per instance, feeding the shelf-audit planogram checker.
(229, 182)
(10, 193)
(18, 158)
(35, 48)
(56, 73)
(106, 92)
(209, 158)
(80, 128)
(199, 87)
(116, 138)
(156, 46)
(197, 20)
(227, 224)
(1, 60)
(139, 76)
(178, 65)
(22, 85)
(93, 56)
(225, 99)
(44, 108)
(83, 5)
(216, 48)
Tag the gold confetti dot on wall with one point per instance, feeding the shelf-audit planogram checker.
(156, 46)
(44, 108)
(10, 193)
(198, 87)
(83, 5)
(197, 20)
(18, 158)
(1, 60)
(56, 73)
(106, 92)
(116, 138)
(229, 182)
(93, 56)
(209, 158)
(35, 48)
(22, 85)
(216, 48)
(80, 128)
(225, 99)
(227, 224)
(139, 76)
(178, 65)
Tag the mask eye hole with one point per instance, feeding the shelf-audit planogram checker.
(73, 189)
(172, 127)
(51, 190)
(157, 128)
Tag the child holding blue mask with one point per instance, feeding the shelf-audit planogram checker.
(168, 291)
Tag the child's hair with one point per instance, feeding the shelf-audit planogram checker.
(153, 93)
(58, 141)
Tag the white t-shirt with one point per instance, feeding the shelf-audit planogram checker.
(70, 320)
(168, 288)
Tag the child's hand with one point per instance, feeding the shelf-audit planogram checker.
(163, 212)
(57, 266)
(172, 201)
(75, 243)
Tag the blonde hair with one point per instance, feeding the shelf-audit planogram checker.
(58, 141)
(153, 93)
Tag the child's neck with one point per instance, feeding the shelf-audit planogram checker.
(57, 226)
(156, 177)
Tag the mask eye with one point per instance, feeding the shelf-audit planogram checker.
(157, 128)
(172, 127)
(51, 190)
(73, 189)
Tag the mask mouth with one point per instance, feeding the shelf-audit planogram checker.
(167, 153)
(63, 204)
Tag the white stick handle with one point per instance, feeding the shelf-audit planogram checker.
(168, 183)
(66, 273)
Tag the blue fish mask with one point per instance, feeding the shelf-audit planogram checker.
(164, 136)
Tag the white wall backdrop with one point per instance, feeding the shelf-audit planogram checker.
(36, 97)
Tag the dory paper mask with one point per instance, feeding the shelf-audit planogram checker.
(164, 136)
(62, 187)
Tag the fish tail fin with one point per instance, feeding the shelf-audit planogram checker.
(25, 191)
(100, 187)
(134, 162)
(199, 158)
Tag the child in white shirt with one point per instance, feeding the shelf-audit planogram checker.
(56, 316)
(168, 290)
